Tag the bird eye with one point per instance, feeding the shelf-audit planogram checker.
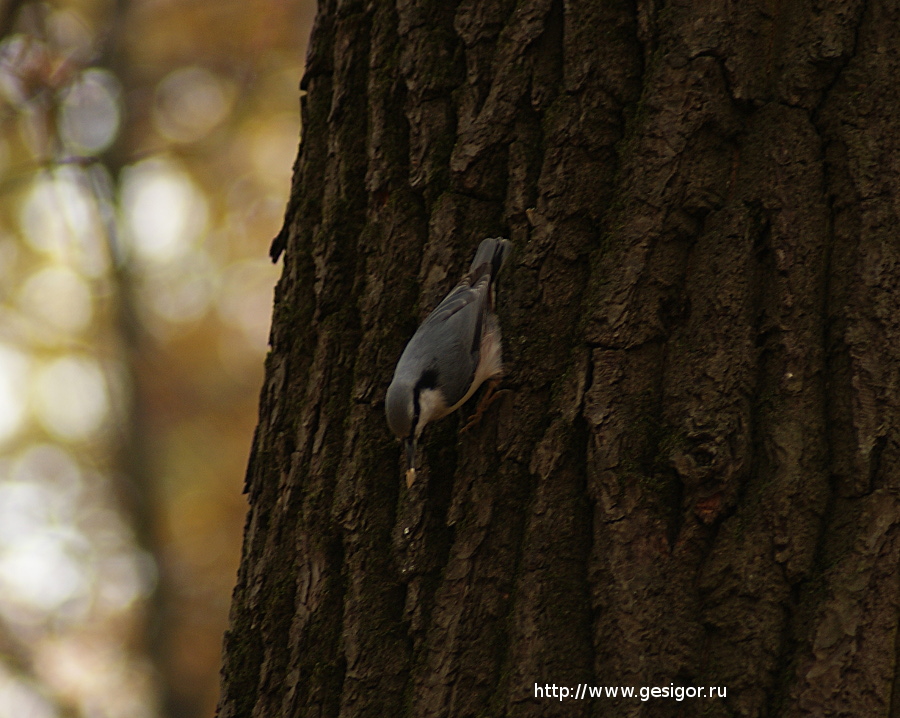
(428, 380)
(416, 407)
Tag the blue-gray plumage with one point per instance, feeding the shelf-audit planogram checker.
(454, 351)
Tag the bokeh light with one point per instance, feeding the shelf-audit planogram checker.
(190, 103)
(181, 292)
(43, 570)
(145, 160)
(165, 213)
(71, 34)
(59, 218)
(14, 370)
(89, 112)
(70, 397)
(58, 297)
(18, 699)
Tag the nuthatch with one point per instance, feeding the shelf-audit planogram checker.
(454, 351)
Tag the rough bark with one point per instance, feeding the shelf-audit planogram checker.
(695, 480)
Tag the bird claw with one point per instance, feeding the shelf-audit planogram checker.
(491, 394)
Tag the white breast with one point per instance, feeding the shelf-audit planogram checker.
(431, 408)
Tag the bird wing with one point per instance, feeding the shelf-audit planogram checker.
(475, 287)
(460, 297)
(453, 331)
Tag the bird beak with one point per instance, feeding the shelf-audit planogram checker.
(410, 461)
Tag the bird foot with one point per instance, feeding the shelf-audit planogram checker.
(491, 394)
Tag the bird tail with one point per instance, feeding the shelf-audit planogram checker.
(492, 251)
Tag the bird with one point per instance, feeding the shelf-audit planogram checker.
(452, 353)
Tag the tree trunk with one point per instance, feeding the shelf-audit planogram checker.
(695, 479)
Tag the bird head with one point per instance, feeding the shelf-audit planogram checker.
(400, 408)
(409, 406)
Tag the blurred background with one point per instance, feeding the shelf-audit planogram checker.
(145, 160)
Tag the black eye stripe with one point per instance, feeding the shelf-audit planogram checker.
(428, 380)
(416, 411)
